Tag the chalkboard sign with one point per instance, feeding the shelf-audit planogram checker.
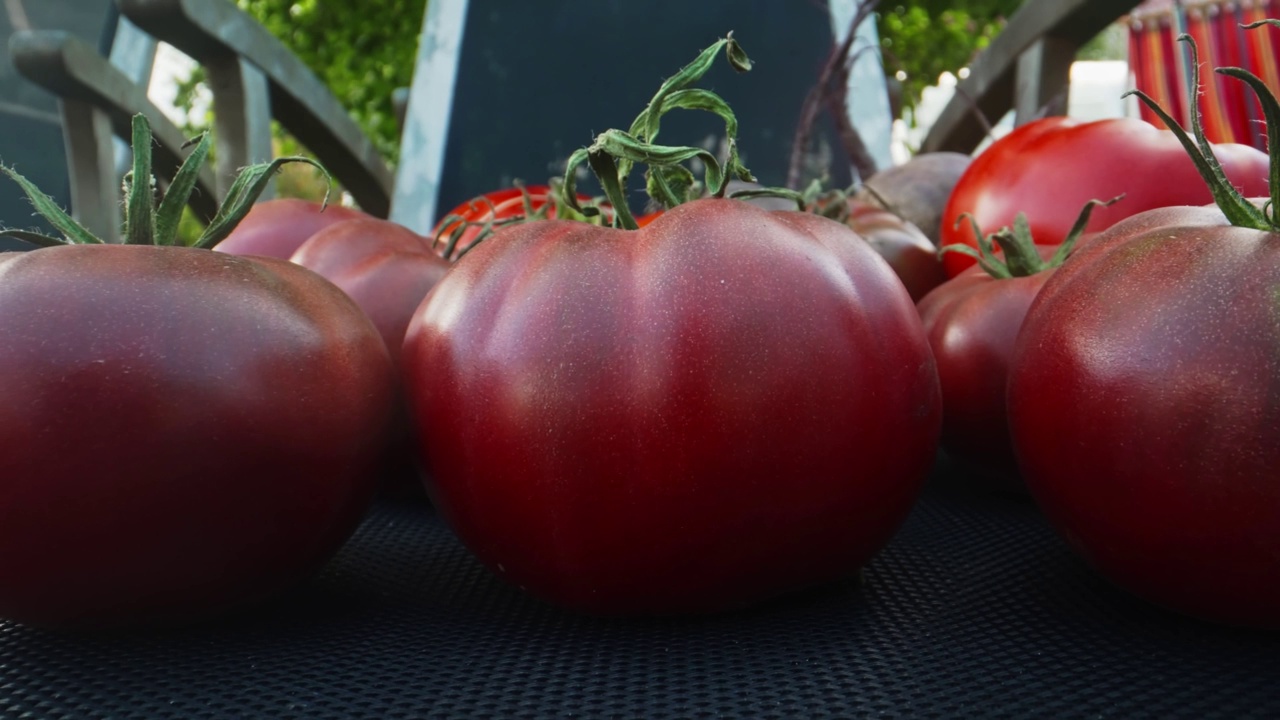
(30, 128)
(538, 80)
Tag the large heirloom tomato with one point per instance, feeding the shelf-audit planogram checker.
(275, 228)
(917, 190)
(1049, 168)
(908, 251)
(1144, 399)
(972, 322)
(181, 431)
(725, 405)
(386, 268)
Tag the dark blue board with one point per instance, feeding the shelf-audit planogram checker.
(30, 129)
(538, 80)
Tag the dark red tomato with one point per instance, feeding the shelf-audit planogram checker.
(972, 321)
(912, 256)
(181, 431)
(385, 267)
(275, 228)
(723, 406)
(387, 270)
(1050, 168)
(502, 204)
(917, 190)
(1144, 400)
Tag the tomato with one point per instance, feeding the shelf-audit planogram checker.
(505, 204)
(1049, 168)
(182, 431)
(917, 190)
(387, 270)
(275, 228)
(649, 217)
(722, 406)
(1144, 400)
(385, 267)
(972, 321)
(912, 256)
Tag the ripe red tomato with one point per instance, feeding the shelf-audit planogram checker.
(649, 217)
(275, 228)
(972, 321)
(181, 431)
(722, 406)
(385, 267)
(1144, 400)
(504, 204)
(908, 251)
(1049, 168)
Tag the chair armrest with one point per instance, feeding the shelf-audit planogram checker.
(211, 31)
(74, 71)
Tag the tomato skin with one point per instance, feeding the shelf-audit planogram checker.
(1144, 400)
(972, 322)
(275, 228)
(183, 432)
(908, 251)
(386, 268)
(917, 190)
(723, 406)
(1050, 168)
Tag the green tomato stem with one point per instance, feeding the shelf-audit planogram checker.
(614, 153)
(1237, 209)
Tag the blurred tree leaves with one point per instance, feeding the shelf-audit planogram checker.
(362, 50)
(922, 39)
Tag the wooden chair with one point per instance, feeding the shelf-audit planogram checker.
(1026, 69)
(253, 78)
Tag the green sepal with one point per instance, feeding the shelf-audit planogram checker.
(1238, 210)
(606, 171)
(31, 237)
(785, 193)
(140, 203)
(169, 216)
(994, 269)
(251, 182)
(568, 187)
(614, 152)
(1271, 116)
(74, 232)
(1068, 244)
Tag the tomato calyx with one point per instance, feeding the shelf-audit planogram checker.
(1021, 259)
(833, 203)
(451, 236)
(614, 153)
(144, 222)
(1238, 210)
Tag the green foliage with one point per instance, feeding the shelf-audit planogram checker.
(362, 50)
(1110, 44)
(925, 38)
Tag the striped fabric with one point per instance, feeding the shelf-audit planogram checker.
(1161, 65)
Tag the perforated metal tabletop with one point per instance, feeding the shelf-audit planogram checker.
(974, 610)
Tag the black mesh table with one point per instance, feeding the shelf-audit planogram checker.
(974, 610)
